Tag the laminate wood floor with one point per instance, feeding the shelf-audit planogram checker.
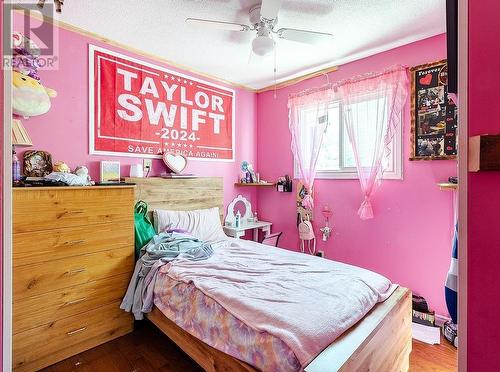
(147, 349)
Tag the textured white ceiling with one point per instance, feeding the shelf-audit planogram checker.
(360, 28)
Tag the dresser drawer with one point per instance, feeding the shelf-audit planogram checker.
(42, 277)
(42, 346)
(35, 311)
(53, 208)
(48, 245)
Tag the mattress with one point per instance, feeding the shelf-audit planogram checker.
(204, 318)
(272, 308)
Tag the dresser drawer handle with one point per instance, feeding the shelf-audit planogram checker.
(71, 333)
(75, 242)
(76, 301)
(76, 271)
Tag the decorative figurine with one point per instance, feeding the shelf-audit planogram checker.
(83, 172)
(60, 166)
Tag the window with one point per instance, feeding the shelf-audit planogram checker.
(336, 158)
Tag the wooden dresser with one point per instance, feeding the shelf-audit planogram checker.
(73, 256)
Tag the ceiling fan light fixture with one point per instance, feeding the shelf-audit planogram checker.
(262, 45)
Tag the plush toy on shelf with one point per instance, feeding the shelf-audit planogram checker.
(60, 166)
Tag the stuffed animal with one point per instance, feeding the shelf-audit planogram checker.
(82, 172)
(29, 96)
(61, 166)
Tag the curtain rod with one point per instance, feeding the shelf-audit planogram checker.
(356, 78)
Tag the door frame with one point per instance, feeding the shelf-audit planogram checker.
(462, 204)
(7, 203)
(463, 56)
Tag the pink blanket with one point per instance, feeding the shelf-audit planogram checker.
(305, 301)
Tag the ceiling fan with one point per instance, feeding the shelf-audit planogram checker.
(263, 19)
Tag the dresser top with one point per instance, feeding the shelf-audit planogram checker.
(30, 188)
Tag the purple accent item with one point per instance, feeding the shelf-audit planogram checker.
(25, 57)
(16, 168)
(180, 231)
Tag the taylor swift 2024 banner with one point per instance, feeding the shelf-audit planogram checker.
(140, 109)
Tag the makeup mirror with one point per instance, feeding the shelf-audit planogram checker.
(242, 205)
(239, 207)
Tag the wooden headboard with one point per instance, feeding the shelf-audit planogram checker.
(181, 194)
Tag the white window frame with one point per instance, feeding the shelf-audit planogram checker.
(349, 173)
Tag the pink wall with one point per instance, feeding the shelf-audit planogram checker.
(483, 257)
(409, 240)
(63, 131)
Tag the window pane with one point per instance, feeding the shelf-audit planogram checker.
(336, 158)
(329, 156)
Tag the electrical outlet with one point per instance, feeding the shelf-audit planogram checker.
(147, 164)
(320, 254)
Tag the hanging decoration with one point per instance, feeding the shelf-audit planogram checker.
(303, 213)
(433, 114)
(29, 96)
(57, 3)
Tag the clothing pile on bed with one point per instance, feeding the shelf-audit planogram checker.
(162, 249)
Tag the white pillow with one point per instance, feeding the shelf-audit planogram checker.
(202, 223)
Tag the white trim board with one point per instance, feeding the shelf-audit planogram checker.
(7, 208)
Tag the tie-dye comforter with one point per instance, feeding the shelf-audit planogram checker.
(270, 307)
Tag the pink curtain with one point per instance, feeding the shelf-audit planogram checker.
(308, 120)
(376, 101)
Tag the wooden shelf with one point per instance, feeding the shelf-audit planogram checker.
(267, 184)
(448, 186)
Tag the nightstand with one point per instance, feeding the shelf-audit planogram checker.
(238, 232)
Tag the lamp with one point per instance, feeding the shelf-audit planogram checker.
(20, 137)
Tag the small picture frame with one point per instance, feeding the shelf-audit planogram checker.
(110, 171)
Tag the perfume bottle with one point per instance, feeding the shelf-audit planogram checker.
(238, 220)
(16, 168)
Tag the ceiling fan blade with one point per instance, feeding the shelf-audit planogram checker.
(303, 36)
(229, 26)
(270, 8)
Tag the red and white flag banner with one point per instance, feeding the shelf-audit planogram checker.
(143, 110)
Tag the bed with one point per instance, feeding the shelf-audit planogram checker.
(380, 341)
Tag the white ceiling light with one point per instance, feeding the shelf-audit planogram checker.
(263, 44)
